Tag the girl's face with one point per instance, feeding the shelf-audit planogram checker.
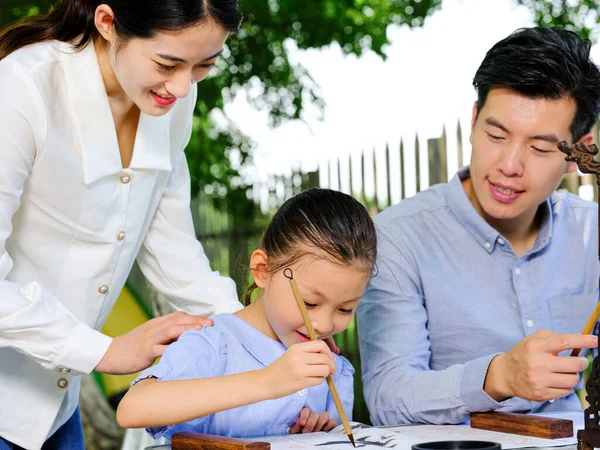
(153, 73)
(330, 292)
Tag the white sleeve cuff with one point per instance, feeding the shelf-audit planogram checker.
(83, 352)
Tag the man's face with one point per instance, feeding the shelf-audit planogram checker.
(515, 162)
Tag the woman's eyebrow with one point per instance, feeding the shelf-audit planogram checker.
(181, 60)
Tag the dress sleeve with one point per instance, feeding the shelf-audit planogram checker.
(32, 321)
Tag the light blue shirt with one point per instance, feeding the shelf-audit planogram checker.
(450, 294)
(232, 346)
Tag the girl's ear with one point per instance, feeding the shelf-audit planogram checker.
(259, 268)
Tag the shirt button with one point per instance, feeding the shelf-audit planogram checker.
(518, 271)
(530, 323)
(500, 241)
(103, 289)
(64, 370)
(62, 383)
(487, 245)
(120, 235)
(302, 393)
(125, 178)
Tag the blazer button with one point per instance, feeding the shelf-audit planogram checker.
(64, 370)
(62, 383)
(103, 289)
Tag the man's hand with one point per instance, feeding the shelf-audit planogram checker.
(309, 422)
(139, 348)
(532, 369)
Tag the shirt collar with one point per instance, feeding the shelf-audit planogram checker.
(98, 139)
(264, 349)
(483, 232)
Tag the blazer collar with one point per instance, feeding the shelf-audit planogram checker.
(98, 138)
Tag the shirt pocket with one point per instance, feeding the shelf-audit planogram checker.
(570, 313)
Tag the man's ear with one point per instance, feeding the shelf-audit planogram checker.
(474, 115)
(473, 120)
(104, 19)
(259, 268)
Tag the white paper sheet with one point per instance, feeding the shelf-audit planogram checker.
(403, 437)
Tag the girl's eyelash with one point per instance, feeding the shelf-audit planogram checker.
(346, 311)
(309, 305)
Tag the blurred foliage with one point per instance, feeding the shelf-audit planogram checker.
(256, 60)
(580, 16)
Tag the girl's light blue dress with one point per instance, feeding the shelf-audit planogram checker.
(232, 346)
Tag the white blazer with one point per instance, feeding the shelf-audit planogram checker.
(72, 222)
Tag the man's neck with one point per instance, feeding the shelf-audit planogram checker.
(521, 231)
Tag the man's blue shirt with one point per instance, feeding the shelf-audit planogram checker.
(450, 294)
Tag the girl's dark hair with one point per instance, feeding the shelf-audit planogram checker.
(73, 20)
(546, 63)
(329, 222)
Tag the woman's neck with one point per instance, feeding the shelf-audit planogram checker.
(114, 91)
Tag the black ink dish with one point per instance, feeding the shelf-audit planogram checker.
(457, 445)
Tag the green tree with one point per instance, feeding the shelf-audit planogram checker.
(258, 54)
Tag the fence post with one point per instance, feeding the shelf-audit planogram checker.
(388, 175)
(417, 164)
(459, 148)
(438, 171)
(402, 176)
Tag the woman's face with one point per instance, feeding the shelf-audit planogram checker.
(155, 72)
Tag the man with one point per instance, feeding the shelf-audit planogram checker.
(483, 281)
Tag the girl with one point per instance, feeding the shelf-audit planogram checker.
(97, 101)
(255, 372)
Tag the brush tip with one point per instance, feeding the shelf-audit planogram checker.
(352, 440)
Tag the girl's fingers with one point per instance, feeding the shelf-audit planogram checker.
(300, 422)
(311, 422)
(323, 419)
(330, 425)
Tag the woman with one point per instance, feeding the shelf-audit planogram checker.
(96, 109)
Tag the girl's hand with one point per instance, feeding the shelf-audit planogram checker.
(302, 365)
(309, 422)
(139, 348)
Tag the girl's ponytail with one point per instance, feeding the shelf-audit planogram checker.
(67, 21)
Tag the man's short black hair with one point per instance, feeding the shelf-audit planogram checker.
(549, 63)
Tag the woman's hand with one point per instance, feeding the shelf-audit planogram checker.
(302, 365)
(139, 348)
(309, 422)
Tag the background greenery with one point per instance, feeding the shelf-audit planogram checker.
(258, 54)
